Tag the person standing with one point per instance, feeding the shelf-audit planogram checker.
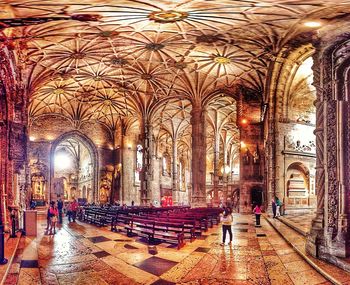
(48, 218)
(69, 211)
(74, 209)
(226, 220)
(278, 207)
(274, 207)
(60, 210)
(53, 217)
(257, 212)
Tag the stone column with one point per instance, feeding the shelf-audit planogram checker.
(216, 167)
(175, 173)
(147, 172)
(128, 162)
(125, 174)
(316, 234)
(224, 175)
(341, 246)
(198, 156)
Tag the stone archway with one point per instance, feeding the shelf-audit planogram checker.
(89, 145)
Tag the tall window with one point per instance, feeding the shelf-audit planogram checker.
(166, 164)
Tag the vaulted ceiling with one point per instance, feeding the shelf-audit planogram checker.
(108, 59)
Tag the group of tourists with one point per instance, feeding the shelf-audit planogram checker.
(55, 214)
(276, 207)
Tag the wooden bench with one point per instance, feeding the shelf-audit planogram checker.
(188, 224)
(170, 232)
(189, 228)
(119, 221)
(155, 230)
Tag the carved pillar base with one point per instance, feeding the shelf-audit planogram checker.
(198, 201)
(175, 196)
(315, 240)
(216, 200)
(340, 245)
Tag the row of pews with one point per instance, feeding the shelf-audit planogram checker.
(167, 224)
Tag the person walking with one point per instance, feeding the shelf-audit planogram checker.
(48, 218)
(53, 217)
(74, 209)
(60, 210)
(274, 207)
(226, 220)
(257, 212)
(278, 207)
(69, 211)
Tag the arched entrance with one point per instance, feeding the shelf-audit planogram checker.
(73, 168)
(300, 186)
(256, 196)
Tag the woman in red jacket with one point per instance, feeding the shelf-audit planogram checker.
(257, 212)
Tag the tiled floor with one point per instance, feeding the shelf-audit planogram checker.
(298, 241)
(300, 221)
(84, 254)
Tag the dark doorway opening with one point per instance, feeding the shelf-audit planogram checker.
(256, 196)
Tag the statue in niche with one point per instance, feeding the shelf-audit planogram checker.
(38, 184)
(105, 186)
(256, 155)
(246, 157)
(182, 171)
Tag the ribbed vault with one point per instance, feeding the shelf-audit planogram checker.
(138, 53)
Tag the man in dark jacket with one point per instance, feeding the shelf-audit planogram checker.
(60, 210)
(274, 207)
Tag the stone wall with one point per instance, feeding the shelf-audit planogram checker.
(251, 166)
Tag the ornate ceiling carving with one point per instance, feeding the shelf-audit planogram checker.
(139, 53)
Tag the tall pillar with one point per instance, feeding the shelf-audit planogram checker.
(216, 166)
(128, 151)
(175, 187)
(316, 236)
(198, 157)
(147, 171)
(224, 175)
(341, 244)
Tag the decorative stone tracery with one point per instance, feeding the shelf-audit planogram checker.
(330, 229)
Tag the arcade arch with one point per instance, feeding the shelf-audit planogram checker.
(74, 169)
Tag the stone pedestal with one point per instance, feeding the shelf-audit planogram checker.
(30, 222)
(198, 201)
(315, 239)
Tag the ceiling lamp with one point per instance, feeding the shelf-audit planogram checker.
(312, 24)
(244, 121)
(169, 16)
